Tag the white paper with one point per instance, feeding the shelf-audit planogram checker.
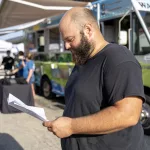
(33, 111)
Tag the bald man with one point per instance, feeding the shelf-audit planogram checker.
(104, 93)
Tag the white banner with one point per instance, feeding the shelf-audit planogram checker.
(143, 5)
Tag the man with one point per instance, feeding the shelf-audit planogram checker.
(104, 93)
(8, 61)
(19, 70)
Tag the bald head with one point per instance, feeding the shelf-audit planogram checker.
(79, 16)
(80, 33)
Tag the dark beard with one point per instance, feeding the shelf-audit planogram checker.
(81, 53)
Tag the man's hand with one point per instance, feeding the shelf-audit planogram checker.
(9, 73)
(14, 71)
(2, 66)
(61, 127)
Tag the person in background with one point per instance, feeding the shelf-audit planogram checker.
(104, 93)
(16, 62)
(29, 71)
(19, 70)
(8, 61)
(25, 69)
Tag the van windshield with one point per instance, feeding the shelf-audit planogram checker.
(141, 45)
(146, 17)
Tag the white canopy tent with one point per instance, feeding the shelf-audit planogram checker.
(5, 46)
(14, 48)
(16, 12)
(19, 27)
(15, 37)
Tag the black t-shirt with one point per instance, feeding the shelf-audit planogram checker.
(8, 63)
(104, 79)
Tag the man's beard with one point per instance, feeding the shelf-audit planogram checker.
(81, 53)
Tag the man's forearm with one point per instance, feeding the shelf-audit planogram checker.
(15, 70)
(106, 121)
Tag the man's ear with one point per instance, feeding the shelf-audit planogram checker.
(88, 31)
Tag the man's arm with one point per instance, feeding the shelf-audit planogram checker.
(19, 68)
(122, 114)
(14, 71)
(3, 61)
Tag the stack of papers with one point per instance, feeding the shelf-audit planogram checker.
(33, 111)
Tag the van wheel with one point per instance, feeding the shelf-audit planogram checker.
(46, 88)
(145, 118)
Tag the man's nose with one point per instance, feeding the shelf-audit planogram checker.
(67, 46)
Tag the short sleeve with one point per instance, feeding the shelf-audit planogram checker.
(122, 81)
(30, 65)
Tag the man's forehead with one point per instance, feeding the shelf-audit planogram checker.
(67, 34)
(65, 22)
(67, 28)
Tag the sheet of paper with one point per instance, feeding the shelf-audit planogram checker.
(33, 111)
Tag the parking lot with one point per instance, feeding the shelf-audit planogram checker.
(23, 132)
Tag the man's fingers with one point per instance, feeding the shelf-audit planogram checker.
(47, 123)
(49, 129)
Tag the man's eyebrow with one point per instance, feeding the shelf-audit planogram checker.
(66, 38)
